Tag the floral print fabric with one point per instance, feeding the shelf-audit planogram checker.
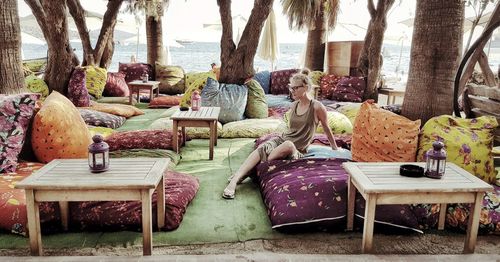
(327, 85)
(95, 80)
(232, 99)
(280, 80)
(77, 89)
(135, 71)
(147, 139)
(171, 79)
(96, 118)
(349, 89)
(116, 86)
(16, 112)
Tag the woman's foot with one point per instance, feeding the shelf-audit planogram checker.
(229, 191)
(231, 178)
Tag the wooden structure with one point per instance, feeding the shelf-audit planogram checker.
(128, 179)
(205, 117)
(343, 57)
(391, 94)
(381, 184)
(138, 85)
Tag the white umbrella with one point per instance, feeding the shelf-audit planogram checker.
(268, 46)
(239, 23)
(29, 39)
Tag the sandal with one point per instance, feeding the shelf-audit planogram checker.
(228, 194)
(231, 178)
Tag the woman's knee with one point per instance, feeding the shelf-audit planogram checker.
(289, 147)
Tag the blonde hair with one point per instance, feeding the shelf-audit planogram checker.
(302, 78)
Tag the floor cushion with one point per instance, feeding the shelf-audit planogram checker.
(350, 110)
(116, 86)
(232, 99)
(165, 101)
(116, 109)
(77, 88)
(252, 128)
(50, 138)
(171, 79)
(327, 85)
(95, 80)
(349, 89)
(96, 118)
(282, 101)
(280, 80)
(135, 71)
(154, 153)
(468, 143)
(16, 112)
(304, 193)
(180, 189)
(116, 100)
(194, 81)
(36, 85)
(256, 102)
(264, 79)
(191, 132)
(103, 131)
(316, 77)
(147, 139)
(320, 151)
(382, 136)
(338, 123)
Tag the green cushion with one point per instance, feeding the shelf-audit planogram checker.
(36, 85)
(194, 81)
(252, 128)
(171, 79)
(338, 122)
(256, 101)
(316, 76)
(95, 80)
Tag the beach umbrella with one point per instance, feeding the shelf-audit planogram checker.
(268, 47)
(239, 23)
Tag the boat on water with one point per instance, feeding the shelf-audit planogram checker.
(183, 41)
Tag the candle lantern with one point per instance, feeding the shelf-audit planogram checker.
(436, 160)
(195, 101)
(145, 78)
(98, 155)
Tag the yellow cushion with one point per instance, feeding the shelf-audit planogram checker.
(59, 131)
(350, 110)
(468, 143)
(103, 131)
(95, 80)
(36, 85)
(339, 123)
(194, 81)
(116, 109)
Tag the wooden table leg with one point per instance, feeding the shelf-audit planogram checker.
(371, 203)
(442, 216)
(138, 95)
(160, 203)
(351, 198)
(151, 94)
(33, 224)
(147, 228)
(212, 135)
(184, 138)
(393, 100)
(157, 91)
(215, 130)
(130, 96)
(63, 206)
(473, 224)
(175, 137)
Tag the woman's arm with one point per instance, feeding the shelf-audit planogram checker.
(320, 112)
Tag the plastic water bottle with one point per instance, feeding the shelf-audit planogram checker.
(195, 101)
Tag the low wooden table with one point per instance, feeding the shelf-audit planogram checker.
(391, 94)
(381, 184)
(138, 85)
(205, 117)
(66, 180)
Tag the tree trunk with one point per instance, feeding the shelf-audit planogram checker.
(237, 62)
(154, 35)
(370, 59)
(11, 73)
(434, 59)
(315, 50)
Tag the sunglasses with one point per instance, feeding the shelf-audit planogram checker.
(294, 88)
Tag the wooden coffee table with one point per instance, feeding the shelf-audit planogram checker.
(205, 117)
(66, 180)
(138, 85)
(391, 94)
(380, 183)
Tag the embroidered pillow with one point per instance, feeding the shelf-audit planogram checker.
(116, 85)
(280, 80)
(316, 77)
(256, 103)
(382, 136)
(77, 89)
(327, 85)
(148, 139)
(16, 112)
(232, 99)
(195, 81)
(349, 89)
(96, 118)
(264, 79)
(95, 80)
(171, 79)
(116, 109)
(165, 101)
(59, 131)
(135, 71)
(36, 85)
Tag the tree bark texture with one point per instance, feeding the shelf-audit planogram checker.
(237, 62)
(51, 16)
(370, 59)
(435, 56)
(154, 35)
(315, 50)
(11, 73)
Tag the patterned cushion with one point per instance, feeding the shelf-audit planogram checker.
(320, 151)
(103, 131)
(36, 85)
(280, 80)
(349, 89)
(16, 112)
(316, 77)
(171, 79)
(282, 101)
(96, 118)
(256, 103)
(195, 81)
(350, 110)
(264, 79)
(468, 143)
(338, 123)
(191, 132)
(252, 128)
(117, 109)
(165, 101)
(116, 100)
(148, 139)
(327, 85)
(135, 71)
(116, 85)
(95, 80)
(50, 138)
(232, 99)
(77, 89)
(382, 136)
(154, 153)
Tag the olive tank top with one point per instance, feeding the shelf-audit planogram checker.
(301, 127)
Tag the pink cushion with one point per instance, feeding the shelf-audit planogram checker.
(77, 90)
(16, 112)
(349, 89)
(280, 80)
(116, 85)
(147, 139)
(327, 85)
(165, 101)
(134, 71)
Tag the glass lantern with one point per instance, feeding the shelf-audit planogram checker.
(98, 155)
(436, 160)
(195, 101)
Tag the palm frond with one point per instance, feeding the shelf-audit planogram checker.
(303, 13)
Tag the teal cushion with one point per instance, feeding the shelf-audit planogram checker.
(232, 99)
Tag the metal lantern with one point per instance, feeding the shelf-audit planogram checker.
(195, 101)
(98, 155)
(436, 160)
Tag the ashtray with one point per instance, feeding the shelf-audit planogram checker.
(411, 170)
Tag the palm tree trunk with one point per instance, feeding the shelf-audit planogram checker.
(154, 35)
(429, 91)
(315, 50)
(11, 73)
